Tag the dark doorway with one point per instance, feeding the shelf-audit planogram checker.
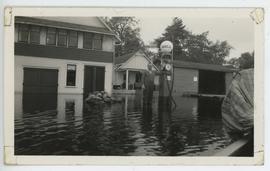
(39, 89)
(94, 79)
(211, 82)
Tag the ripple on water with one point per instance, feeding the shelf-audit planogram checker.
(112, 131)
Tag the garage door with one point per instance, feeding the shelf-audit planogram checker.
(40, 89)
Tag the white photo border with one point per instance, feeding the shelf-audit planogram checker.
(10, 158)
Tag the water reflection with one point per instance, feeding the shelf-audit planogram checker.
(209, 107)
(34, 102)
(126, 128)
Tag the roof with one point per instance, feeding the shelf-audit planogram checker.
(202, 66)
(124, 58)
(66, 25)
(121, 60)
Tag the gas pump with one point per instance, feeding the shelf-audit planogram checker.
(166, 78)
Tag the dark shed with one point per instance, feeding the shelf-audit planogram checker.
(200, 78)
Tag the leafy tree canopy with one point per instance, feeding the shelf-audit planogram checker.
(194, 47)
(245, 61)
(126, 28)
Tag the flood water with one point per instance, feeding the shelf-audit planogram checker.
(71, 127)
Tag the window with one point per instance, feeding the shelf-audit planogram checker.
(51, 36)
(73, 39)
(35, 34)
(23, 33)
(87, 40)
(97, 44)
(62, 38)
(71, 75)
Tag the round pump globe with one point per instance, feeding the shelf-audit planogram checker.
(166, 46)
(168, 67)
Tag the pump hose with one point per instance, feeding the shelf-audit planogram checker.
(171, 90)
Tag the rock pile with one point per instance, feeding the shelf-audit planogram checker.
(101, 97)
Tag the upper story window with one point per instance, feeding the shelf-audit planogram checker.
(51, 36)
(35, 34)
(97, 42)
(88, 40)
(62, 37)
(58, 37)
(73, 39)
(23, 32)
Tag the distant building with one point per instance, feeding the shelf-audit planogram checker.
(63, 55)
(199, 78)
(128, 71)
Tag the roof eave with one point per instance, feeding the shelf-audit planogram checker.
(209, 69)
(22, 21)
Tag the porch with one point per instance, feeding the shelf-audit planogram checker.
(128, 81)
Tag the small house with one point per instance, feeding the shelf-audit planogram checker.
(128, 72)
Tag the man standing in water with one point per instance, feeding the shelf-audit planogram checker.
(148, 85)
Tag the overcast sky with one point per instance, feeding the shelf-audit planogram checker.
(239, 32)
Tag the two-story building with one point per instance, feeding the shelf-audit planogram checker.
(66, 55)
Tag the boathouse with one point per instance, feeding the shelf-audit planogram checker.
(66, 55)
(128, 71)
(192, 78)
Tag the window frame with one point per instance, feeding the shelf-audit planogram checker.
(19, 32)
(69, 39)
(47, 31)
(92, 40)
(101, 42)
(30, 33)
(68, 75)
(58, 31)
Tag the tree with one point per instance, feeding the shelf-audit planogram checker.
(245, 61)
(126, 28)
(174, 33)
(194, 47)
(219, 51)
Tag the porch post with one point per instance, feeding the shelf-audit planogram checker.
(127, 79)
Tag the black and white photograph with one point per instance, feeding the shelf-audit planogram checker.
(135, 85)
